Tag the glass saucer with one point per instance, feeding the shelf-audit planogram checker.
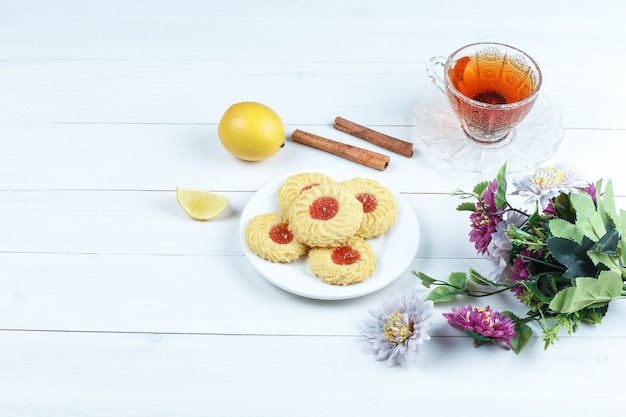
(533, 141)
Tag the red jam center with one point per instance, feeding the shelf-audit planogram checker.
(345, 255)
(324, 208)
(280, 234)
(308, 187)
(369, 202)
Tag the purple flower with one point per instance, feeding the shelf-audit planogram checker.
(549, 210)
(519, 268)
(485, 219)
(483, 324)
(589, 189)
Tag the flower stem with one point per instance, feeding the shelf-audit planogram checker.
(488, 293)
(543, 262)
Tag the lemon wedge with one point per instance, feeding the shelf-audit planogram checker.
(201, 204)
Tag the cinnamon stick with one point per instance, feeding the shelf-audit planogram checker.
(362, 156)
(390, 143)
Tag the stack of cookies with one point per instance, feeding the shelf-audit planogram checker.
(327, 220)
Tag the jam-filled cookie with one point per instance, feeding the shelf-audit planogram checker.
(348, 263)
(268, 236)
(295, 184)
(325, 215)
(379, 206)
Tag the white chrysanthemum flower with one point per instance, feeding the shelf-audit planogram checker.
(547, 183)
(398, 327)
(500, 246)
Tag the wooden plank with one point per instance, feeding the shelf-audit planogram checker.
(161, 157)
(209, 295)
(181, 294)
(153, 91)
(318, 30)
(124, 222)
(145, 223)
(51, 374)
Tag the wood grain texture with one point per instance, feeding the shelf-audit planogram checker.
(113, 302)
(160, 374)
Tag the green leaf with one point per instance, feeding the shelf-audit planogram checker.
(563, 228)
(443, 293)
(534, 219)
(603, 261)
(523, 332)
(533, 287)
(583, 204)
(425, 279)
(467, 206)
(607, 243)
(476, 277)
(458, 279)
(563, 208)
(501, 191)
(606, 205)
(588, 220)
(480, 187)
(622, 226)
(605, 248)
(588, 292)
(595, 315)
(573, 256)
(604, 252)
(622, 249)
(479, 337)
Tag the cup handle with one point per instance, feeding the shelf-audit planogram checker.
(433, 69)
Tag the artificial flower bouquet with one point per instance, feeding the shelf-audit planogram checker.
(564, 259)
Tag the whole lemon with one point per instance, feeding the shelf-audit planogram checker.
(251, 131)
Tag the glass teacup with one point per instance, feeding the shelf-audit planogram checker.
(490, 86)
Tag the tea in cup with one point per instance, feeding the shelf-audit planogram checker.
(491, 88)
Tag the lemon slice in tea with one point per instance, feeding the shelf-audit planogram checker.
(201, 204)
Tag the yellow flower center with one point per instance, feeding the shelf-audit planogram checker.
(395, 330)
(549, 176)
(482, 220)
(485, 316)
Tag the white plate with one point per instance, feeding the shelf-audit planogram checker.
(395, 250)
